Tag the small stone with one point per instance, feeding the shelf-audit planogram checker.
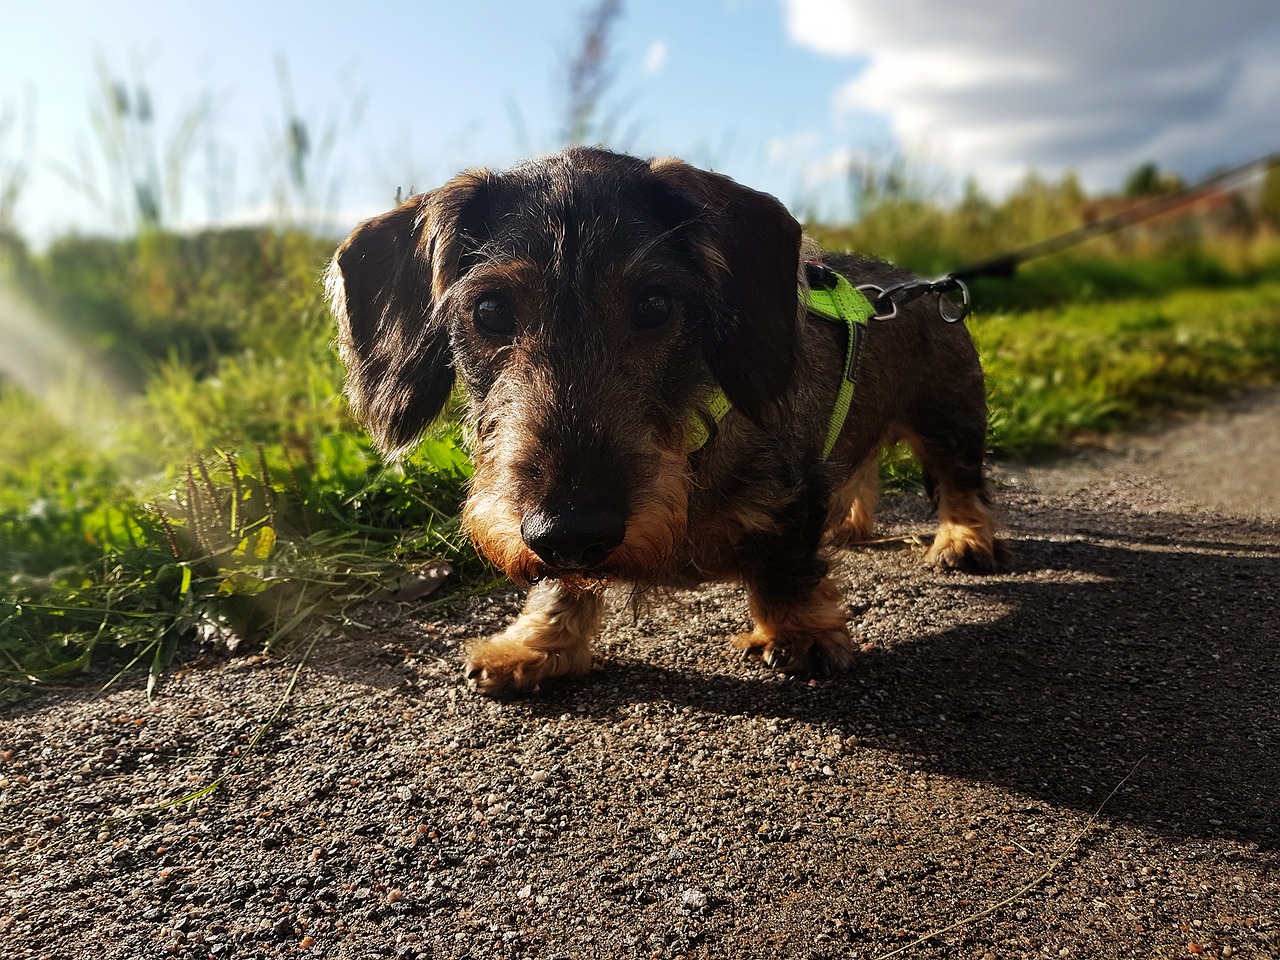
(540, 776)
(694, 900)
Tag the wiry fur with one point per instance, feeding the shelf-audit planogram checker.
(582, 476)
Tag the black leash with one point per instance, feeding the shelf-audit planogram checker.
(887, 300)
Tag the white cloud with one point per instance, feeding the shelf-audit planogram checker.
(996, 87)
(656, 57)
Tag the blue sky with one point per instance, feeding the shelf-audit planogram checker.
(780, 94)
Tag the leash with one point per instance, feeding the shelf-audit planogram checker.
(1006, 265)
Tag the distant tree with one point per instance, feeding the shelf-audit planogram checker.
(1146, 180)
(1142, 180)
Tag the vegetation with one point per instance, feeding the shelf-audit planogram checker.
(230, 496)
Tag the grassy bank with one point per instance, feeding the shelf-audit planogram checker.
(176, 462)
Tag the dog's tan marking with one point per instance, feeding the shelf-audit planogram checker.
(490, 518)
(658, 523)
(809, 637)
(966, 538)
(551, 638)
(852, 517)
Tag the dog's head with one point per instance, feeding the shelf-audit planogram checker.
(587, 301)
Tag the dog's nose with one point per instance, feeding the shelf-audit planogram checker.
(581, 534)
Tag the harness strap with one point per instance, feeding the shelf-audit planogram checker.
(833, 298)
(698, 428)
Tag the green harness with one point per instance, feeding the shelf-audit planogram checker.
(831, 297)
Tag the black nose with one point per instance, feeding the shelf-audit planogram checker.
(578, 534)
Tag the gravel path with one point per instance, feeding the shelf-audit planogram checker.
(681, 803)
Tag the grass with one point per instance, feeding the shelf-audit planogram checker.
(229, 498)
(227, 495)
(1059, 375)
(241, 545)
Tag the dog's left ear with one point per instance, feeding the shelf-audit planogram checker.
(383, 284)
(749, 246)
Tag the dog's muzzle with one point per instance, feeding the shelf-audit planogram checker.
(577, 536)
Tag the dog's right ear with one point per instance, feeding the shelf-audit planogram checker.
(382, 285)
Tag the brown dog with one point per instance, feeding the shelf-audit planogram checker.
(592, 304)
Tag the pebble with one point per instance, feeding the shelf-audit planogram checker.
(694, 900)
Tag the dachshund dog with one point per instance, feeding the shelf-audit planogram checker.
(651, 396)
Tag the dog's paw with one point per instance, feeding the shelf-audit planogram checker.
(551, 638)
(507, 664)
(810, 653)
(495, 675)
(961, 547)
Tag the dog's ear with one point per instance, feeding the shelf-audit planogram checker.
(749, 247)
(382, 284)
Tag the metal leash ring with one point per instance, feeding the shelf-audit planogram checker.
(955, 283)
(877, 296)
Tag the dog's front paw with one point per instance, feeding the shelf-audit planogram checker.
(551, 638)
(812, 653)
(807, 638)
(494, 669)
(506, 664)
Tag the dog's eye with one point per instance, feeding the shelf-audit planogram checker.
(653, 309)
(493, 316)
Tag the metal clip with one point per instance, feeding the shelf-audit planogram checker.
(887, 300)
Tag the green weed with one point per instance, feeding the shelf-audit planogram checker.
(226, 499)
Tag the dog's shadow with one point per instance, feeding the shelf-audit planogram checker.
(1139, 650)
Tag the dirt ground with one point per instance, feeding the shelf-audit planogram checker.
(679, 802)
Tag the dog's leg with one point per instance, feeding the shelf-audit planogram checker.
(853, 508)
(551, 638)
(799, 613)
(952, 456)
(806, 636)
